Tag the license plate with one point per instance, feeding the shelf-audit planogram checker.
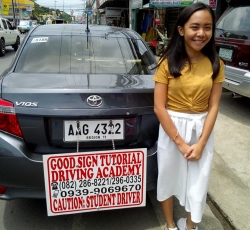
(226, 53)
(93, 130)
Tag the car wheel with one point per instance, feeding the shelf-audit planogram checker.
(16, 45)
(2, 47)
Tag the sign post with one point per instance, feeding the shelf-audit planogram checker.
(88, 12)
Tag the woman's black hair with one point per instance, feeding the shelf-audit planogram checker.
(176, 53)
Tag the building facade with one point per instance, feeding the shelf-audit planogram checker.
(16, 10)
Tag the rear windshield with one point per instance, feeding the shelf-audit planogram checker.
(235, 23)
(82, 54)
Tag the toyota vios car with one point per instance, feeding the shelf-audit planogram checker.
(77, 89)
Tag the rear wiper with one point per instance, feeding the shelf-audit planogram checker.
(223, 35)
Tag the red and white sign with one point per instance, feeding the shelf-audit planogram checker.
(92, 181)
(213, 4)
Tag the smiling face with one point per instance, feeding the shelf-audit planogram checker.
(197, 32)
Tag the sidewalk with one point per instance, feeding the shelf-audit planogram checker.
(230, 179)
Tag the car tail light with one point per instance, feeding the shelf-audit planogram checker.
(3, 189)
(8, 118)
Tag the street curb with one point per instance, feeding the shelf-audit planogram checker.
(225, 217)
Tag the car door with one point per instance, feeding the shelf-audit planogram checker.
(12, 33)
(6, 32)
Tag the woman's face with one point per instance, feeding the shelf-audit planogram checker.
(197, 31)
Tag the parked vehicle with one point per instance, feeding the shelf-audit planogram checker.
(64, 80)
(56, 21)
(25, 26)
(233, 45)
(9, 36)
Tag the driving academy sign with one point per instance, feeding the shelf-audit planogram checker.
(92, 181)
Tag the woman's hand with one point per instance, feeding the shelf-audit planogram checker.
(183, 147)
(195, 152)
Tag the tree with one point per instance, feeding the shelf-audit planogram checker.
(40, 11)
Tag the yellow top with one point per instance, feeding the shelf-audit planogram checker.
(190, 91)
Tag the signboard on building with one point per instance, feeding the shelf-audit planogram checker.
(114, 12)
(170, 3)
(24, 6)
(136, 4)
(5, 8)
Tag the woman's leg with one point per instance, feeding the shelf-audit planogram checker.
(167, 208)
(190, 224)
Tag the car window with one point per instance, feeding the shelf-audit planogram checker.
(85, 54)
(9, 25)
(235, 23)
(24, 23)
(4, 24)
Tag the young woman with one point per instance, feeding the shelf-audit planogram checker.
(188, 86)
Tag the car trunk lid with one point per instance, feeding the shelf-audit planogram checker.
(44, 102)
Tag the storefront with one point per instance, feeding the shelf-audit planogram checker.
(160, 14)
(114, 16)
(154, 20)
(115, 13)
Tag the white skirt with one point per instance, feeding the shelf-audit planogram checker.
(186, 180)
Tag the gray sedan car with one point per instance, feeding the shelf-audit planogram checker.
(73, 90)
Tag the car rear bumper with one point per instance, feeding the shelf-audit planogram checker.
(22, 170)
(24, 30)
(237, 81)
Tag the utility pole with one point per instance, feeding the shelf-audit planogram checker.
(55, 5)
(97, 13)
(14, 18)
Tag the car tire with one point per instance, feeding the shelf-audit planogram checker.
(17, 44)
(2, 47)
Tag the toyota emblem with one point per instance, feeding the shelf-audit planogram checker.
(94, 100)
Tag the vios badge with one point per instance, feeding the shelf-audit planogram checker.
(94, 101)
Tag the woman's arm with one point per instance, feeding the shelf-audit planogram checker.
(213, 107)
(160, 99)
